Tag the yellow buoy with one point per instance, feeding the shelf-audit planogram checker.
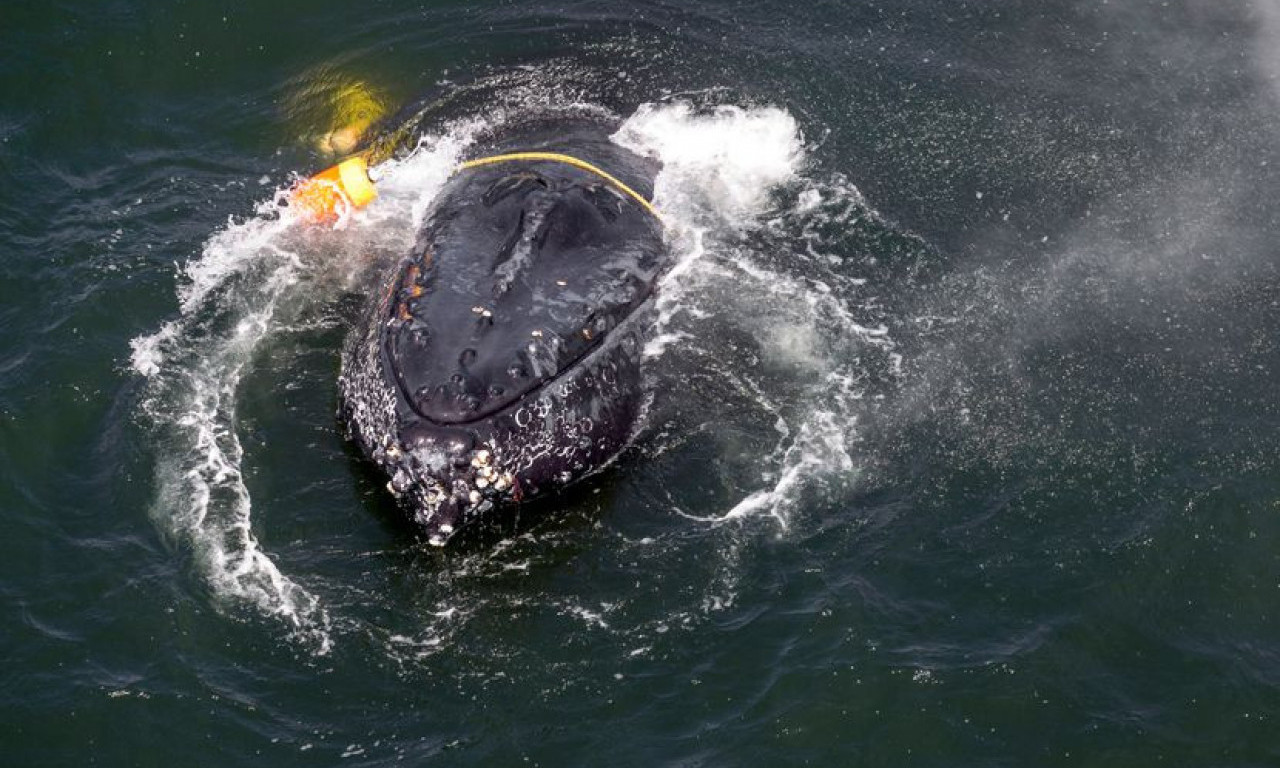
(322, 198)
(356, 107)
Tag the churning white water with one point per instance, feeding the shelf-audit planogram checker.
(756, 306)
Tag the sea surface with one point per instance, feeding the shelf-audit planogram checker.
(964, 443)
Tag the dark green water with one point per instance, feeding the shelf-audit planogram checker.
(964, 447)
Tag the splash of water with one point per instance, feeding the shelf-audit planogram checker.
(719, 165)
(726, 172)
(248, 281)
(752, 261)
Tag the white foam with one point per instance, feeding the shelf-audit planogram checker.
(722, 169)
(724, 160)
(230, 299)
(147, 355)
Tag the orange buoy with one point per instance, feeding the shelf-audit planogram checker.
(322, 198)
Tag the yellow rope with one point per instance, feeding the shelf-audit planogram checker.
(567, 160)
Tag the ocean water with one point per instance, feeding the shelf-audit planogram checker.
(963, 446)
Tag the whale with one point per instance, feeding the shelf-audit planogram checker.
(501, 359)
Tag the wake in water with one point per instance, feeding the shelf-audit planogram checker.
(767, 340)
(759, 306)
(249, 282)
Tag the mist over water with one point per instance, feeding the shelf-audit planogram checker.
(961, 445)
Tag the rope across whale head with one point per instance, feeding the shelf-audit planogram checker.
(321, 198)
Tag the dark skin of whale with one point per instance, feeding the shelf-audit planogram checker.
(500, 361)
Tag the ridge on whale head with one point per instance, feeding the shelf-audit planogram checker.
(500, 360)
